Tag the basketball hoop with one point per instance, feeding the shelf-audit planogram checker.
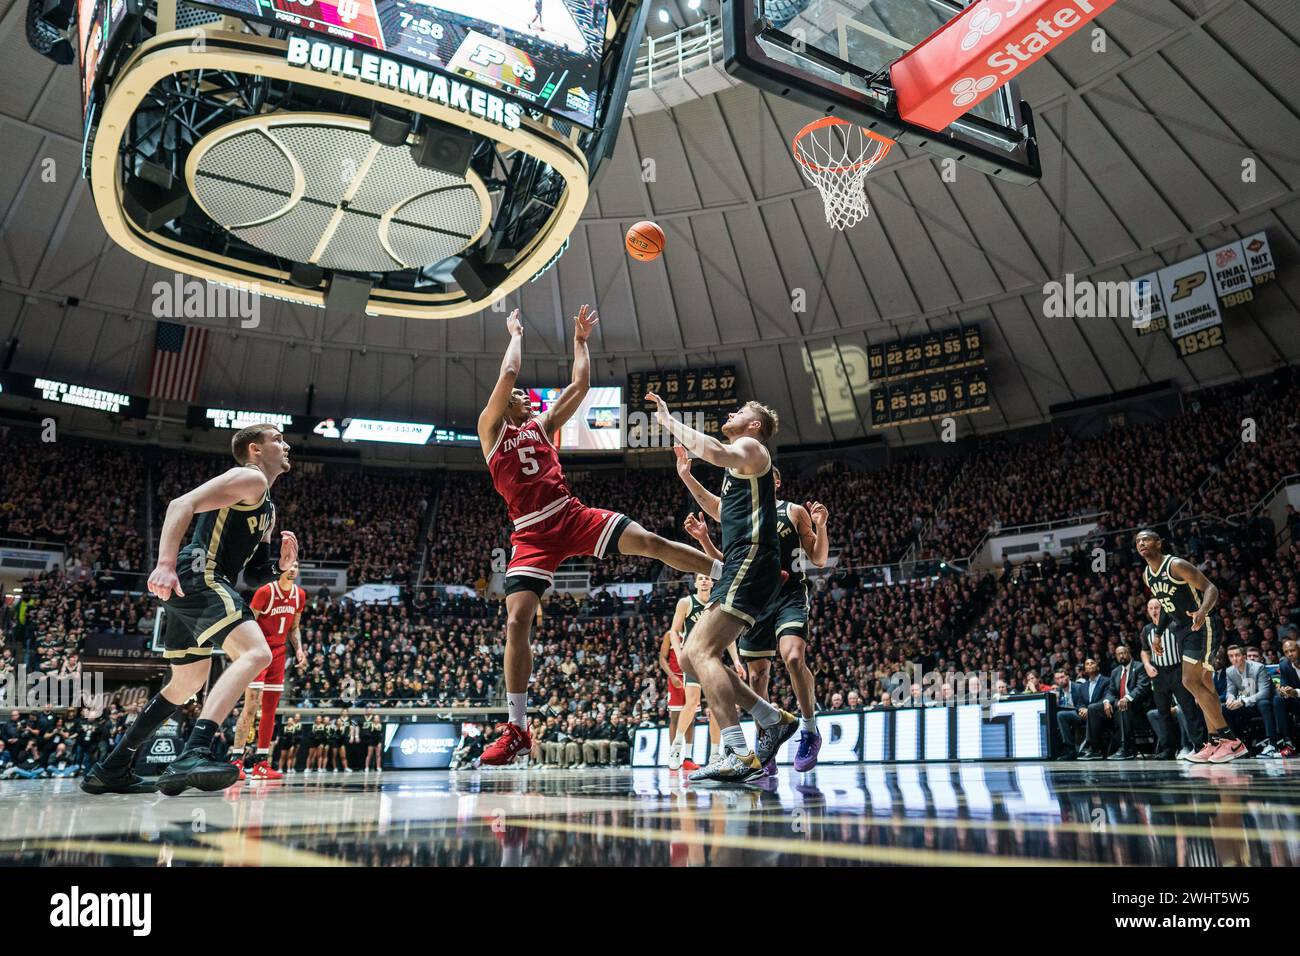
(836, 156)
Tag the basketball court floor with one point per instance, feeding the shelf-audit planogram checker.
(972, 814)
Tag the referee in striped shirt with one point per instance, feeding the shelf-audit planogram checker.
(1162, 658)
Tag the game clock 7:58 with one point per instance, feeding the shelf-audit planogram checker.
(421, 26)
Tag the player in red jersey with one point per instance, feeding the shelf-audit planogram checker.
(278, 606)
(548, 523)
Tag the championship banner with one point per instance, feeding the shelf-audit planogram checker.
(1146, 293)
(977, 53)
(1189, 296)
(1259, 258)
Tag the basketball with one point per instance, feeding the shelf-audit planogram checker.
(645, 241)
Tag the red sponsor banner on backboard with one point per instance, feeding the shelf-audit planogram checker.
(970, 57)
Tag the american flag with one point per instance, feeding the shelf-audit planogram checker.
(178, 354)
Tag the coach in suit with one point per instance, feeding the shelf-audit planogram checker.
(1126, 697)
(1289, 691)
(1086, 694)
(1251, 694)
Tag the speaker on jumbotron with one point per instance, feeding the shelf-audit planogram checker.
(58, 12)
(347, 294)
(445, 148)
(478, 278)
(154, 198)
(389, 125)
(306, 276)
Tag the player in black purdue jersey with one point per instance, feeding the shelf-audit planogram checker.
(196, 584)
(1188, 597)
(783, 625)
(751, 575)
(685, 616)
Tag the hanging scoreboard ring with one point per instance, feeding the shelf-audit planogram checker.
(349, 152)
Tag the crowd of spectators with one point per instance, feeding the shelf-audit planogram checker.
(369, 518)
(82, 494)
(53, 613)
(1135, 474)
(879, 514)
(596, 658)
(1269, 450)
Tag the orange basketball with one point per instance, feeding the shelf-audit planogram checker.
(645, 241)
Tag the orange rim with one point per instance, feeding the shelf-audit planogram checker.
(886, 144)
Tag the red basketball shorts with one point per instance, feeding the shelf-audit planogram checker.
(572, 531)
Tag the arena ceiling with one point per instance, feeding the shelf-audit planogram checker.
(1143, 148)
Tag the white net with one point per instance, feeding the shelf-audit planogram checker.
(836, 156)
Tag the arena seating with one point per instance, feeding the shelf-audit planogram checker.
(1019, 624)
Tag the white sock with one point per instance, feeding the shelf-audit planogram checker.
(734, 738)
(517, 708)
(809, 724)
(765, 714)
(679, 739)
(716, 573)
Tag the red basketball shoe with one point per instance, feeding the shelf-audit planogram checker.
(240, 765)
(688, 765)
(507, 747)
(264, 771)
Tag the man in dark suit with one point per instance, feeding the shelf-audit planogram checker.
(1289, 672)
(1125, 702)
(1086, 694)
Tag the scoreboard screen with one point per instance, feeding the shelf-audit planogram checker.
(544, 53)
(923, 398)
(97, 26)
(72, 393)
(925, 354)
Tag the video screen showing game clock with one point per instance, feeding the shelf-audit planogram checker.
(544, 53)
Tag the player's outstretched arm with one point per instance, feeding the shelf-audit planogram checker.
(679, 622)
(570, 399)
(694, 526)
(706, 499)
(489, 420)
(810, 521)
(745, 455)
(235, 486)
(666, 645)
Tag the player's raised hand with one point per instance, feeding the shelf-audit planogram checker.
(817, 511)
(515, 324)
(661, 407)
(582, 325)
(694, 526)
(288, 549)
(683, 461)
(163, 581)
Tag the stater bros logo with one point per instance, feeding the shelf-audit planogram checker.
(404, 77)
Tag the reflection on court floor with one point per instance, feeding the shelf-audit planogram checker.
(1166, 814)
